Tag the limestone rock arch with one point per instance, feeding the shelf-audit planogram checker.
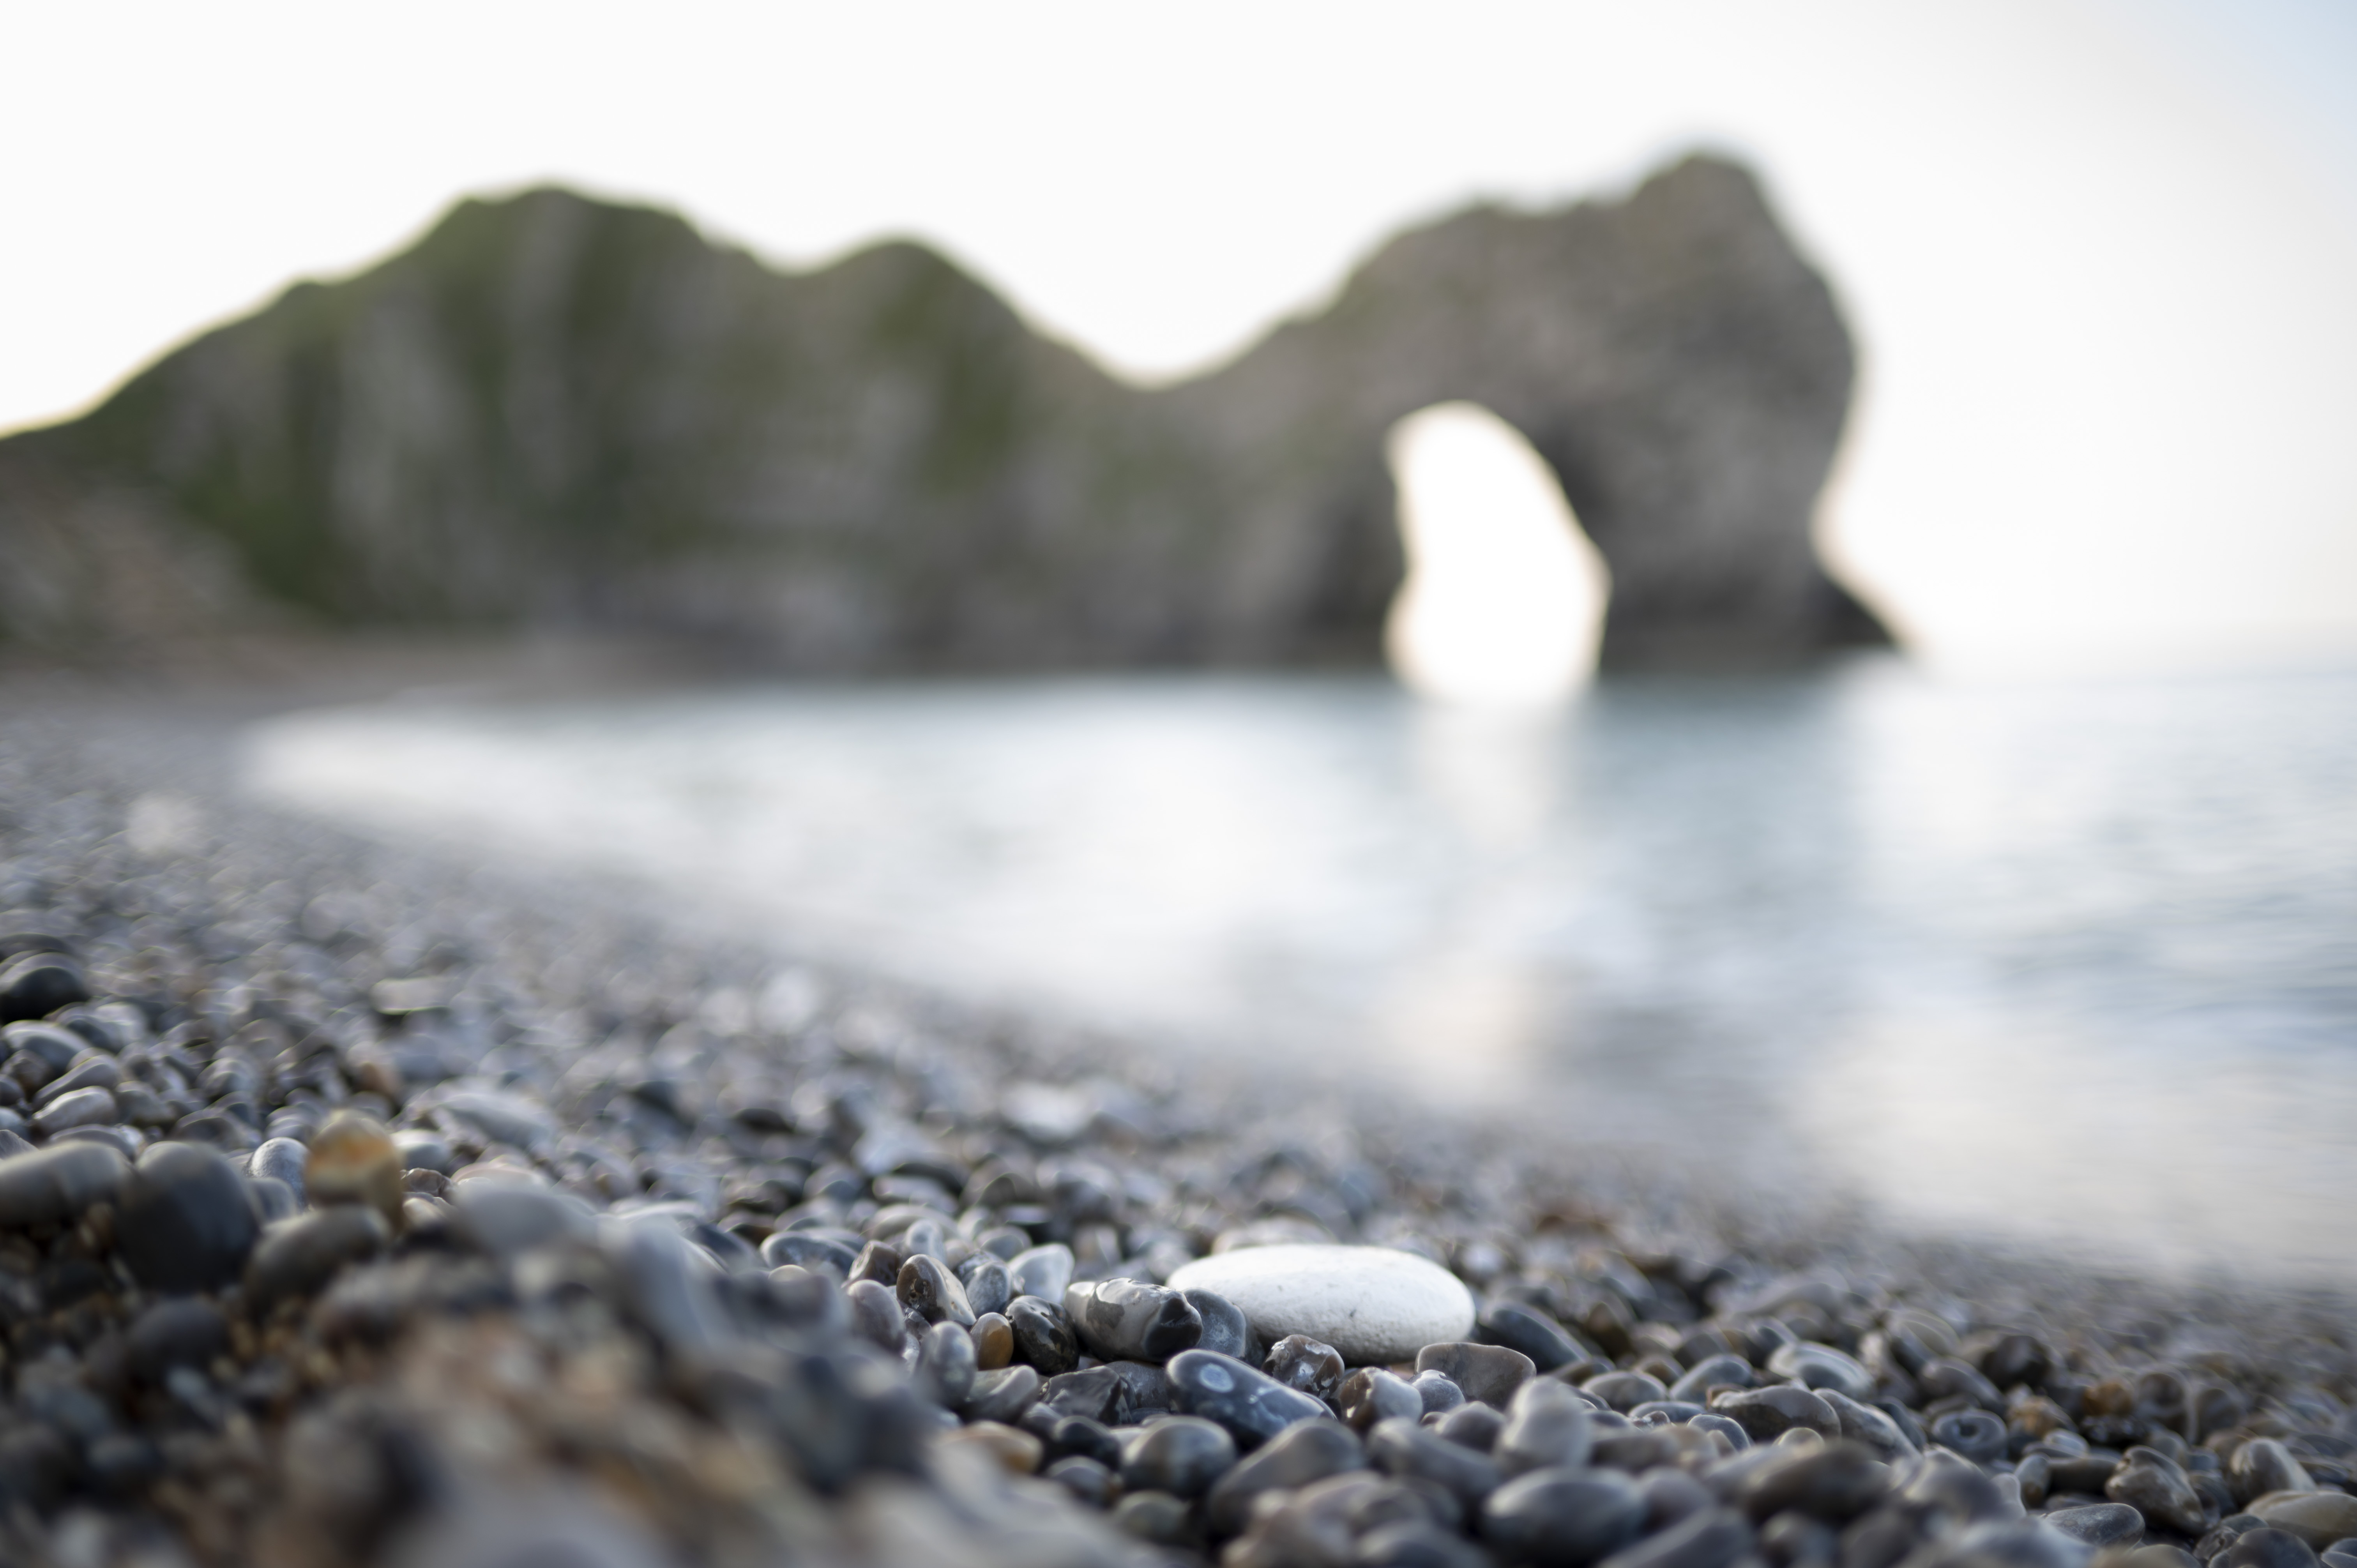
(554, 413)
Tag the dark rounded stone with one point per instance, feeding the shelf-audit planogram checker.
(1822, 1366)
(1087, 1480)
(1710, 1373)
(1547, 1343)
(186, 1221)
(1305, 1452)
(1623, 1392)
(1711, 1421)
(52, 1186)
(945, 1367)
(2262, 1465)
(1043, 1335)
(1672, 1497)
(1415, 1543)
(1945, 1378)
(1863, 1423)
(880, 1261)
(178, 1332)
(297, 1257)
(1710, 1539)
(36, 984)
(1438, 1392)
(2151, 1483)
(1835, 1484)
(875, 1316)
(1490, 1373)
(1798, 1540)
(1157, 1517)
(1074, 1434)
(1249, 1404)
(928, 1291)
(1300, 1363)
(1562, 1518)
(1403, 1448)
(988, 1286)
(1132, 1320)
(2267, 1548)
(1224, 1328)
(1004, 1396)
(281, 1159)
(1181, 1455)
(1371, 1394)
(807, 1250)
(2100, 1524)
(1974, 1434)
(1474, 1426)
(1766, 1413)
(1960, 1491)
(1548, 1426)
(98, 1072)
(45, 1048)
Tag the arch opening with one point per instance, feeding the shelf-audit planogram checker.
(1503, 601)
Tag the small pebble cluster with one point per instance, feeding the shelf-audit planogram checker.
(346, 1219)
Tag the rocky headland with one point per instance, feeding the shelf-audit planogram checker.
(557, 414)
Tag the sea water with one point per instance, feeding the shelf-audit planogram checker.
(2074, 961)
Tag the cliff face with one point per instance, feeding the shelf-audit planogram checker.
(560, 413)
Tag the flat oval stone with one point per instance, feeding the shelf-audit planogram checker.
(1769, 1412)
(1251, 1404)
(1043, 1335)
(1548, 1426)
(1371, 1394)
(185, 1221)
(2320, 1518)
(1224, 1328)
(1566, 1517)
(1044, 1271)
(49, 1186)
(295, 1257)
(1525, 1329)
(2262, 1465)
(1305, 1452)
(1403, 1449)
(933, 1292)
(82, 1108)
(2099, 1524)
(1002, 1395)
(1182, 1456)
(1300, 1363)
(1822, 1366)
(988, 1286)
(2267, 1547)
(1374, 1305)
(37, 983)
(2147, 1481)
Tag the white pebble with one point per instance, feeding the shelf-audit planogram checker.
(1372, 1304)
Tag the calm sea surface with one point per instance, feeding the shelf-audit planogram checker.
(2073, 961)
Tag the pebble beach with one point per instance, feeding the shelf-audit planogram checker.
(360, 1207)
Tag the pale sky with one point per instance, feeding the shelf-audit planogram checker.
(2099, 255)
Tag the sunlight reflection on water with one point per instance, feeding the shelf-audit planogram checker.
(2071, 962)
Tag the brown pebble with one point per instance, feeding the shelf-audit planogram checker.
(993, 1342)
(354, 1160)
(1015, 1449)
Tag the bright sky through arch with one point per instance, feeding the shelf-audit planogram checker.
(1503, 604)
